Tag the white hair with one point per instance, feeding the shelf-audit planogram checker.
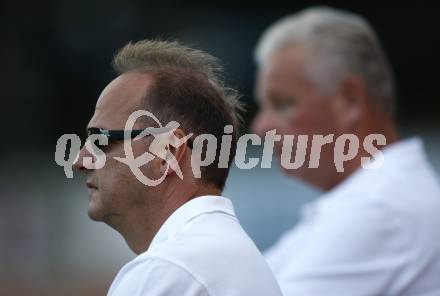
(336, 43)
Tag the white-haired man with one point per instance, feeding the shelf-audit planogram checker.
(323, 72)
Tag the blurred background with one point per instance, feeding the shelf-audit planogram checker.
(55, 60)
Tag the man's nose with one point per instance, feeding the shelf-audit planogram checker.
(78, 165)
(262, 123)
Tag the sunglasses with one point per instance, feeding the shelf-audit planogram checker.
(119, 135)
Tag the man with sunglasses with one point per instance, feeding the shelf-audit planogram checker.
(186, 235)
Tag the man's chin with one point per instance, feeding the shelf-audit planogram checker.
(302, 174)
(297, 173)
(98, 213)
(95, 210)
(95, 214)
(95, 207)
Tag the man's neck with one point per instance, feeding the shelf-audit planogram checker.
(146, 223)
(381, 126)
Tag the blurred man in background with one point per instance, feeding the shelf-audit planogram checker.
(187, 236)
(323, 72)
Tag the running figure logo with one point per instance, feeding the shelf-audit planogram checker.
(164, 137)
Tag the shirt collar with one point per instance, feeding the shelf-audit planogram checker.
(188, 211)
(404, 152)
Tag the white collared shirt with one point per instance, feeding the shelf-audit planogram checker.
(377, 233)
(200, 250)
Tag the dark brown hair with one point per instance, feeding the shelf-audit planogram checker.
(199, 106)
(187, 88)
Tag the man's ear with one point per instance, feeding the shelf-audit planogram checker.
(175, 153)
(350, 102)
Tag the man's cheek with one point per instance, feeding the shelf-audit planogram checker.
(108, 176)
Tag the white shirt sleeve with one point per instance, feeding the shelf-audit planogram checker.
(156, 277)
(357, 252)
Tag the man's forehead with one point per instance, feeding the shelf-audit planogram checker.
(283, 69)
(119, 99)
(287, 61)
